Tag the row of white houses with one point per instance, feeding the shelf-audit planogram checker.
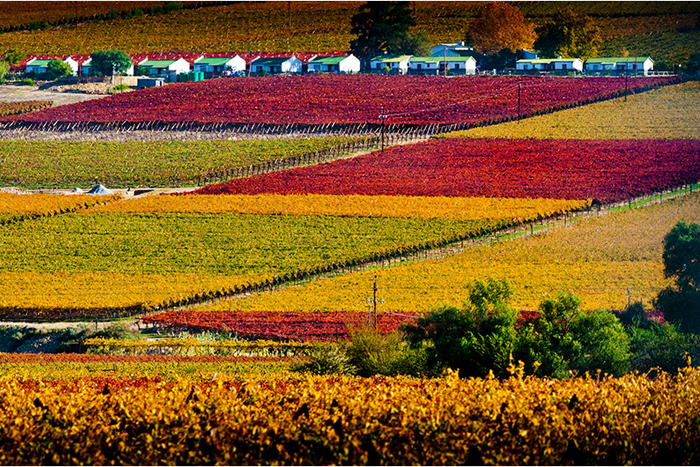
(403, 64)
(408, 64)
(215, 66)
(602, 65)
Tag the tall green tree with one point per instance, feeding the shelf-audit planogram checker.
(111, 62)
(383, 27)
(680, 302)
(569, 35)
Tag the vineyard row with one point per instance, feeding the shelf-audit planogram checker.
(97, 201)
(13, 129)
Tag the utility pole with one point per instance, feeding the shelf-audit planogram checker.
(383, 118)
(625, 86)
(444, 50)
(372, 306)
(629, 297)
(518, 101)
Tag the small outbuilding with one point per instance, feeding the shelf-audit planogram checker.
(39, 66)
(561, 65)
(436, 65)
(396, 64)
(86, 69)
(346, 64)
(276, 65)
(167, 69)
(620, 65)
(214, 67)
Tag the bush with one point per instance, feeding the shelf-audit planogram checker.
(367, 354)
(660, 346)
(27, 82)
(476, 339)
(604, 344)
(545, 345)
(119, 88)
(327, 359)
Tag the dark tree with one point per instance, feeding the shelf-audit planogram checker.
(680, 302)
(383, 27)
(111, 62)
(568, 35)
(500, 26)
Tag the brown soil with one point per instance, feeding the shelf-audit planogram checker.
(60, 95)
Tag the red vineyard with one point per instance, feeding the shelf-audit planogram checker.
(605, 170)
(344, 100)
(272, 325)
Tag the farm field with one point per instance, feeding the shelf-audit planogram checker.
(107, 262)
(606, 170)
(51, 164)
(419, 207)
(323, 420)
(348, 100)
(597, 259)
(668, 112)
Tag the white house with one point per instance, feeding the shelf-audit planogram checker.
(276, 65)
(38, 66)
(550, 64)
(436, 65)
(620, 65)
(347, 64)
(87, 69)
(397, 64)
(168, 69)
(218, 66)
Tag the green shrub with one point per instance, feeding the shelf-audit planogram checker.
(327, 359)
(660, 346)
(27, 82)
(119, 88)
(605, 345)
(476, 339)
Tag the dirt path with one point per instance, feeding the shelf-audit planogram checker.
(33, 93)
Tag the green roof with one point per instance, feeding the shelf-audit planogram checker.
(41, 63)
(327, 60)
(440, 59)
(158, 63)
(214, 61)
(614, 60)
(391, 58)
(271, 61)
(547, 60)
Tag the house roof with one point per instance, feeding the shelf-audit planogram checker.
(272, 60)
(41, 63)
(391, 58)
(440, 59)
(614, 60)
(327, 60)
(214, 61)
(158, 63)
(547, 60)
